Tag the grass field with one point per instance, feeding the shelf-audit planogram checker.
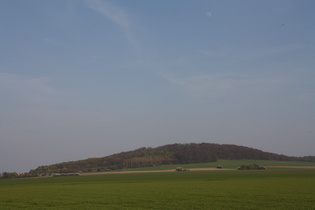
(263, 189)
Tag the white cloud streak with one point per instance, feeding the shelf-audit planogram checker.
(118, 16)
(235, 55)
(216, 84)
(23, 93)
(15, 83)
(209, 14)
(110, 11)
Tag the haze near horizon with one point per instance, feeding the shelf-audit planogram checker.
(90, 78)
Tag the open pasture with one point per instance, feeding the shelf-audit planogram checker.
(266, 189)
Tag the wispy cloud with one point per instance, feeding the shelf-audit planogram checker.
(209, 14)
(16, 83)
(50, 41)
(112, 12)
(118, 16)
(219, 83)
(26, 92)
(206, 82)
(232, 54)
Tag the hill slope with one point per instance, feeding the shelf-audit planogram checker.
(167, 154)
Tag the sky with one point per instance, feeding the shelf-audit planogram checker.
(91, 78)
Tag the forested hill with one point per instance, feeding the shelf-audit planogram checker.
(167, 154)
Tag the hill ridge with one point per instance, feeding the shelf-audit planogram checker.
(164, 155)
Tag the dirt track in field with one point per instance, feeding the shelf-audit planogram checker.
(192, 169)
(301, 167)
(153, 171)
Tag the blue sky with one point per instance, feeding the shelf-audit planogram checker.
(89, 78)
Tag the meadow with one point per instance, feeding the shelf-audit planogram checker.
(230, 189)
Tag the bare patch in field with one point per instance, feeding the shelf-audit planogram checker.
(301, 167)
(192, 169)
(153, 171)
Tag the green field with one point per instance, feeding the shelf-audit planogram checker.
(261, 189)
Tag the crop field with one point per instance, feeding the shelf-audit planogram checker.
(226, 189)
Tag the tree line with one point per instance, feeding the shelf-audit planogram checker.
(12, 175)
